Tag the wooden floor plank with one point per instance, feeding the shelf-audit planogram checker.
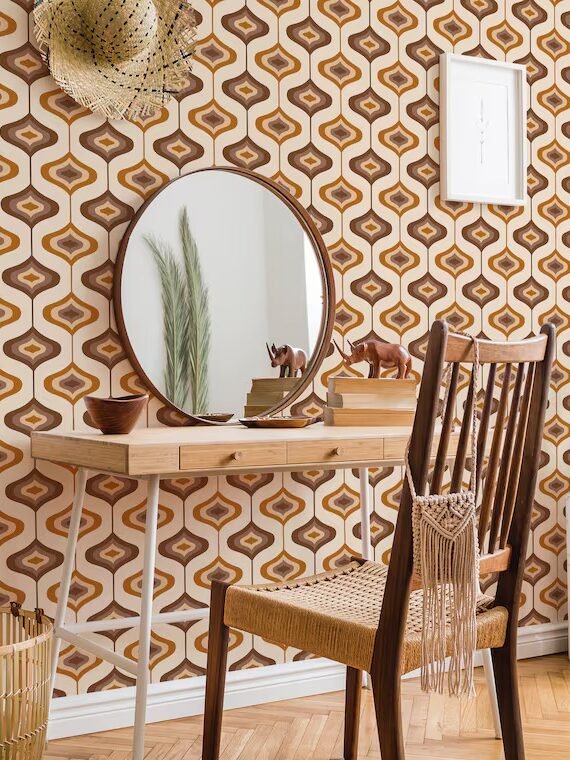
(277, 737)
(312, 727)
(237, 744)
(434, 718)
(368, 736)
(418, 718)
(310, 737)
(179, 749)
(195, 750)
(255, 746)
(561, 691)
(298, 728)
(328, 738)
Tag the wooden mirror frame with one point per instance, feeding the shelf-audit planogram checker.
(327, 278)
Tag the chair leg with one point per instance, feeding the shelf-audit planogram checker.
(386, 690)
(352, 712)
(506, 681)
(218, 635)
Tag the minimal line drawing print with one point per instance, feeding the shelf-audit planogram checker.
(483, 125)
(483, 130)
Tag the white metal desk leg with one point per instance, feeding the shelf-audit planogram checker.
(365, 512)
(490, 678)
(366, 544)
(67, 570)
(143, 673)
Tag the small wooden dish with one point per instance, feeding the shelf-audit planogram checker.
(279, 422)
(178, 418)
(216, 416)
(116, 416)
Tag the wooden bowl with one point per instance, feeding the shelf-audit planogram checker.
(116, 416)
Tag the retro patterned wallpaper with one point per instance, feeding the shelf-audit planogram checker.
(338, 100)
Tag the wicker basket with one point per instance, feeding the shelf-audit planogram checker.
(25, 665)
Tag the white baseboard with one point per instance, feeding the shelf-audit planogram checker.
(540, 640)
(106, 710)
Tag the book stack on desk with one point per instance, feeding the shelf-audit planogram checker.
(267, 392)
(383, 402)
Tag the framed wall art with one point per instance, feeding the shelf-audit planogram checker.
(483, 130)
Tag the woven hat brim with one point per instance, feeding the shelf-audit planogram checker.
(120, 90)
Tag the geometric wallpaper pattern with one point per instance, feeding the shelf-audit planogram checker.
(338, 101)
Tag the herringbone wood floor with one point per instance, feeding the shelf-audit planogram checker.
(435, 727)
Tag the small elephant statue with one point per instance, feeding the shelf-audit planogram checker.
(289, 360)
(378, 355)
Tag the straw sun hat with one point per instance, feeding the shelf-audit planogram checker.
(121, 58)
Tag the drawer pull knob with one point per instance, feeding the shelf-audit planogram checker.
(337, 451)
(236, 456)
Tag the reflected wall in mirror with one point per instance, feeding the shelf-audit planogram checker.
(224, 295)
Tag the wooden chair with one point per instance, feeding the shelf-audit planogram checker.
(367, 616)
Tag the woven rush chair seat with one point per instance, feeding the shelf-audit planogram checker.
(336, 615)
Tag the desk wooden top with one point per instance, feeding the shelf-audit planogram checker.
(223, 449)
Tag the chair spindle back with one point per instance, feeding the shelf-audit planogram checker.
(511, 420)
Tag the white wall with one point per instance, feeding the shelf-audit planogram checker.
(286, 281)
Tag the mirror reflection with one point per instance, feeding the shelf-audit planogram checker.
(221, 295)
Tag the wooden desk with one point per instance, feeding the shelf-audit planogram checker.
(225, 449)
(159, 453)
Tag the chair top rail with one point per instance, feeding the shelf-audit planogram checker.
(460, 349)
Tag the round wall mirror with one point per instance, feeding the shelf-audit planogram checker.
(224, 296)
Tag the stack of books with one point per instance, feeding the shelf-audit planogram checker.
(383, 402)
(267, 392)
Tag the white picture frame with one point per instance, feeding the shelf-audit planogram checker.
(483, 140)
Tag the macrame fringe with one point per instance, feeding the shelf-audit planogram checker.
(449, 568)
(446, 558)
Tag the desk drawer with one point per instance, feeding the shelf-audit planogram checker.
(230, 455)
(335, 450)
(395, 448)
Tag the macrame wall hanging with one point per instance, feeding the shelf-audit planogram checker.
(120, 58)
(446, 559)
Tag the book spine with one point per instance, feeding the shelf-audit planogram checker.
(370, 401)
(368, 417)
